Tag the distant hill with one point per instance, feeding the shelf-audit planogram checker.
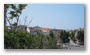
(37, 27)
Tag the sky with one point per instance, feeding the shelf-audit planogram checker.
(59, 16)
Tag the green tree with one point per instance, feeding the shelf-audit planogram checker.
(72, 36)
(14, 39)
(52, 42)
(6, 6)
(80, 36)
(64, 36)
(17, 40)
(13, 11)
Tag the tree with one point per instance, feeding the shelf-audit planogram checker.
(6, 6)
(13, 11)
(72, 36)
(12, 38)
(64, 36)
(52, 42)
(80, 36)
(51, 34)
(19, 40)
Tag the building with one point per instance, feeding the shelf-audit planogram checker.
(45, 31)
(21, 28)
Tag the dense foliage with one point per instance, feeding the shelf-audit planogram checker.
(80, 36)
(22, 40)
(19, 40)
(72, 36)
(64, 36)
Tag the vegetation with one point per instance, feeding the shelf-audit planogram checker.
(64, 36)
(12, 11)
(23, 40)
(52, 40)
(14, 39)
(80, 36)
(72, 36)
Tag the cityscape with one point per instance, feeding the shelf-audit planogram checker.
(43, 33)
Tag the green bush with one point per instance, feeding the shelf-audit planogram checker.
(23, 40)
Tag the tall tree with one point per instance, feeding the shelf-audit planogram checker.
(13, 11)
(72, 36)
(80, 36)
(52, 40)
(5, 13)
(64, 36)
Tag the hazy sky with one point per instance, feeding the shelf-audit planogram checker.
(60, 16)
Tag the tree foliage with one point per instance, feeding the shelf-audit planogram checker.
(52, 42)
(72, 36)
(64, 36)
(80, 36)
(12, 11)
(22, 40)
